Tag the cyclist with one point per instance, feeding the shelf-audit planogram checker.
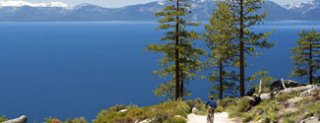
(212, 106)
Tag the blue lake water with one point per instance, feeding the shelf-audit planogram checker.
(73, 69)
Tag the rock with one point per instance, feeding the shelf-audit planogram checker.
(300, 88)
(21, 119)
(194, 110)
(277, 85)
(313, 92)
(144, 121)
(313, 119)
(265, 96)
(123, 110)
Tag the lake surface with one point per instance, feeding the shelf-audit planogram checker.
(73, 69)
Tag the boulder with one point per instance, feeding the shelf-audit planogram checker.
(251, 92)
(123, 110)
(277, 85)
(265, 96)
(313, 92)
(300, 88)
(194, 110)
(313, 119)
(21, 119)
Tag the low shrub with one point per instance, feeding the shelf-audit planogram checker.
(3, 118)
(227, 102)
(243, 105)
(265, 112)
(52, 120)
(286, 96)
(158, 113)
(77, 120)
(74, 120)
(219, 109)
(175, 120)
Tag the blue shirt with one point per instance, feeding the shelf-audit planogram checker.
(212, 104)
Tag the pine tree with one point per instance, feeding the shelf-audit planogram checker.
(180, 57)
(246, 17)
(219, 37)
(306, 55)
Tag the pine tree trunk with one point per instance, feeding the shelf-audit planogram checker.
(242, 72)
(177, 59)
(220, 80)
(182, 89)
(310, 65)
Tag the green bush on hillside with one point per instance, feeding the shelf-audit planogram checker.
(175, 120)
(3, 118)
(199, 104)
(265, 112)
(75, 120)
(52, 120)
(243, 105)
(286, 96)
(159, 113)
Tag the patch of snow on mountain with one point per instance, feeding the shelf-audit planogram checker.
(296, 5)
(24, 3)
(161, 3)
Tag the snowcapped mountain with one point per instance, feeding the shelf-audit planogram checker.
(201, 10)
(307, 9)
(24, 3)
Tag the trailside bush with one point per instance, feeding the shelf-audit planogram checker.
(3, 118)
(227, 102)
(286, 96)
(77, 120)
(175, 120)
(243, 105)
(157, 113)
(52, 120)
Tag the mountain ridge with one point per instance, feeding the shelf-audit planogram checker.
(201, 10)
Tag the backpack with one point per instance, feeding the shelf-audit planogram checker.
(212, 104)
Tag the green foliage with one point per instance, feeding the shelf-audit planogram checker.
(263, 76)
(175, 120)
(279, 109)
(286, 96)
(179, 63)
(266, 112)
(305, 110)
(243, 105)
(227, 102)
(231, 110)
(52, 120)
(3, 118)
(306, 55)
(219, 37)
(246, 17)
(159, 113)
(77, 120)
(199, 104)
(219, 109)
(228, 105)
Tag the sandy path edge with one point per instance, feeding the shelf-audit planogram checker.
(222, 117)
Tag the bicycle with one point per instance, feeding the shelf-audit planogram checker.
(210, 117)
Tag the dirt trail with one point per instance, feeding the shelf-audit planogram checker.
(218, 118)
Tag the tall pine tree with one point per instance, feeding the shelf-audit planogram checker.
(219, 37)
(180, 57)
(247, 16)
(306, 56)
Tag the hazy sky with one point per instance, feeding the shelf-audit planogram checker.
(119, 3)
